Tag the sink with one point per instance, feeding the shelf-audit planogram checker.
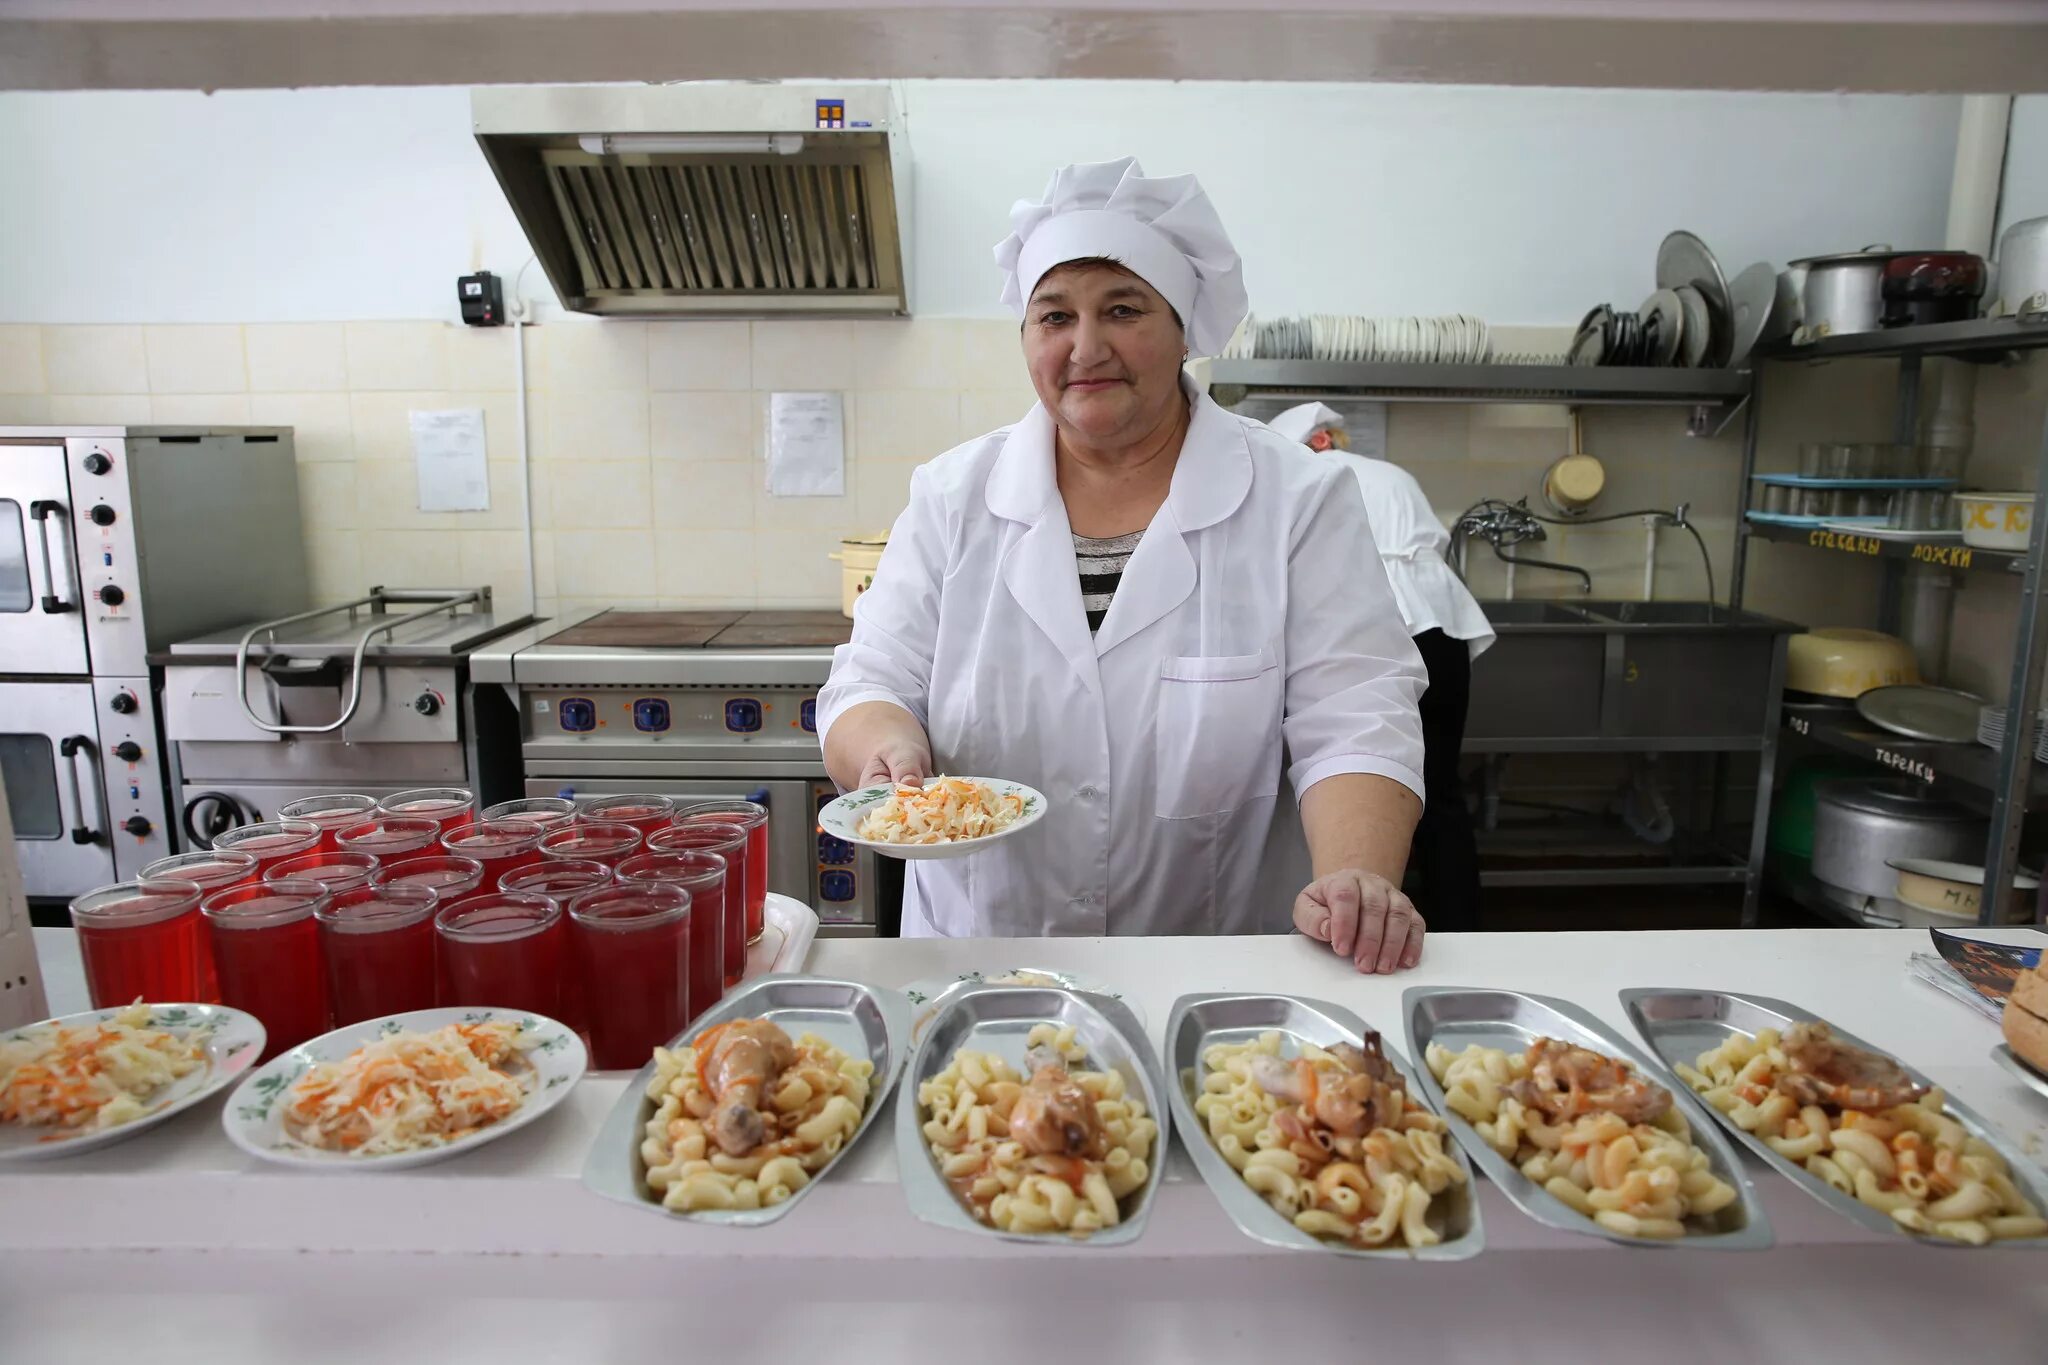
(1663, 613)
(1534, 613)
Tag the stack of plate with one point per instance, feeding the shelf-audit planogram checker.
(1991, 730)
(1454, 340)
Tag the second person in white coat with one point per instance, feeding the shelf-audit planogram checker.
(1125, 600)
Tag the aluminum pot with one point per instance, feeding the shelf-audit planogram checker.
(1860, 826)
(1843, 293)
(2023, 269)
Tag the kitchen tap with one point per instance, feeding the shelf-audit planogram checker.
(1504, 524)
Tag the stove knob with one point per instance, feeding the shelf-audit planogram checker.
(426, 703)
(102, 515)
(97, 463)
(112, 595)
(128, 751)
(137, 825)
(123, 703)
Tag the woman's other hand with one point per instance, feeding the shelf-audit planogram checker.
(1363, 917)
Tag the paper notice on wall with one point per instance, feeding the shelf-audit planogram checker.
(449, 455)
(806, 445)
(1366, 426)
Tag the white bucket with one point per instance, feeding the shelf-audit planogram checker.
(858, 560)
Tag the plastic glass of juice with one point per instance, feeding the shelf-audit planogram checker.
(388, 838)
(450, 807)
(333, 813)
(644, 811)
(751, 816)
(560, 878)
(506, 950)
(500, 845)
(338, 872)
(703, 876)
(266, 946)
(632, 947)
(730, 843)
(546, 812)
(144, 939)
(212, 870)
(270, 844)
(610, 844)
(448, 877)
(378, 944)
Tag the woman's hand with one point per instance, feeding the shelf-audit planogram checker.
(900, 757)
(1363, 917)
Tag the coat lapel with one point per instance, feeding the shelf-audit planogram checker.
(1038, 569)
(1210, 482)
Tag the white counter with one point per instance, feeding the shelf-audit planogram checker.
(177, 1245)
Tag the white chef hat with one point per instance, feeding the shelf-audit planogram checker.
(1300, 423)
(1164, 230)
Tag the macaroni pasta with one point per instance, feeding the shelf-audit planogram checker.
(970, 1108)
(1369, 1188)
(1910, 1160)
(813, 1108)
(1642, 1179)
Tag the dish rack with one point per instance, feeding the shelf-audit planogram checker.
(2004, 773)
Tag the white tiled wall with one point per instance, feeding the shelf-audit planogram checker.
(647, 477)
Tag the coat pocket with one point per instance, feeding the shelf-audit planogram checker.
(1218, 734)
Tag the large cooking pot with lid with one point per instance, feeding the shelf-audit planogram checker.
(1861, 825)
(2023, 269)
(1843, 293)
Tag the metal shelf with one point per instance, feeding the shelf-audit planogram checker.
(1984, 338)
(1941, 554)
(1577, 385)
(1960, 772)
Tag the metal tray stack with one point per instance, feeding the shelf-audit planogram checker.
(1512, 1020)
(998, 1019)
(859, 1020)
(1681, 1024)
(1200, 1021)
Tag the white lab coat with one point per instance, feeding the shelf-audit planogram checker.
(1412, 545)
(1254, 614)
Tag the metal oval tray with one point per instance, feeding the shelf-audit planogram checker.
(1681, 1024)
(997, 1019)
(1511, 1020)
(1200, 1021)
(2024, 1074)
(857, 1019)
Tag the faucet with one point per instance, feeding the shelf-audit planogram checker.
(1503, 524)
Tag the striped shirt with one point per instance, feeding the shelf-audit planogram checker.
(1101, 563)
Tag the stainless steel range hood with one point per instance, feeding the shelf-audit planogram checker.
(707, 200)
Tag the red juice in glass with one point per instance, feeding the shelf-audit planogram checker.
(644, 811)
(753, 817)
(213, 870)
(266, 945)
(448, 877)
(506, 949)
(333, 813)
(449, 807)
(388, 838)
(378, 944)
(272, 843)
(500, 845)
(557, 878)
(632, 946)
(703, 876)
(730, 843)
(338, 872)
(610, 844)
(545, 812)
(143, 938)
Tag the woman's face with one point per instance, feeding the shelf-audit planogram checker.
(1104, 351)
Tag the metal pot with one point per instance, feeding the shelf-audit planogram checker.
(1843, 293)
(2022, 269)
(1859, 826)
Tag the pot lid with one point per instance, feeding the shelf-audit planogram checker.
(1902, 800)
(1870, 255)
(1917, 711)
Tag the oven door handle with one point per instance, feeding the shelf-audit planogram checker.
(71, 748)
(40, 511)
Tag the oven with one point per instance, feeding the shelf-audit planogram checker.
(42, 625)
